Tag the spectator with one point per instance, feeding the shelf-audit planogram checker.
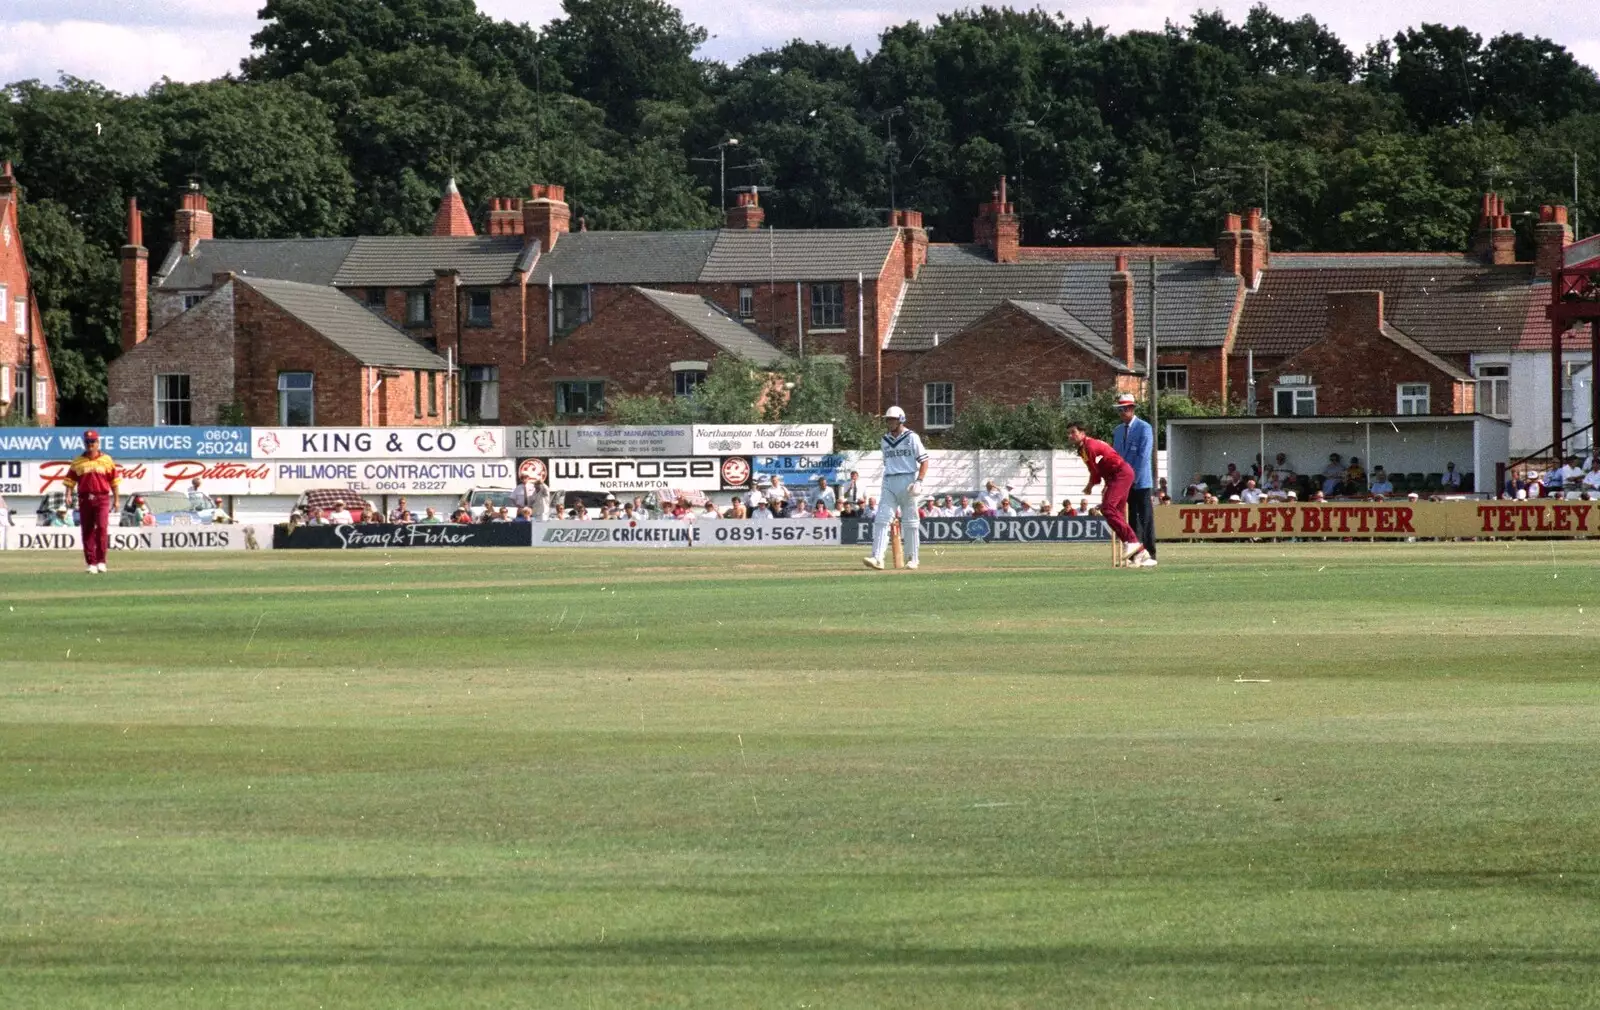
(824, 492)
(1380, 486)
(1197, 488)
(399, 511)
(1451, 480)
(141, 512)
(502, 514)
(1210, 499)
(220, 514)
(738, 510)
(1569, 477)
(1591, 480)
(990, 496)
(1355, 478)
(431, 515)
(1332, 474)
(1533, 484)
(963, 506)
(1066, 508)
(1281, 465)
(710, 511)
(194, 485)
(524, 515)
(1318, 496)
(778, 492)
(1234, 499)
(60, 517)
(1006, 510)
(1044, 508)
(1251, 495)
(762, 511)
(340, 516)
(1161, 487)
(1083, 506)
(1232, 480)
(851, 494)
(822, 511)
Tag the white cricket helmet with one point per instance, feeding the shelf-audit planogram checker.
(896, 413)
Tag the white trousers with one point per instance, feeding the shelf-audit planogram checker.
(896, 497)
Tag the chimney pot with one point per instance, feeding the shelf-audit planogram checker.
(135, 289)
(546, 217)
(193, 222)
(1122, 337)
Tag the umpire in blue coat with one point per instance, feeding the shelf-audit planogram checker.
(1135, 441)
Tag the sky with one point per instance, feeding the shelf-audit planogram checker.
(130, 44)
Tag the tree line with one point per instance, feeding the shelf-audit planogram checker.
(348, 116)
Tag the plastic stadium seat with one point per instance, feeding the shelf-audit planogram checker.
(1466, 483)
(1434, 480)
(1402, 484)
(1415, 480)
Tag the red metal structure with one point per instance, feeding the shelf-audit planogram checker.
(1574, 301)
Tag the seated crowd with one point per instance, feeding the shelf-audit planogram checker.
(1339, 478)
(1576, 478)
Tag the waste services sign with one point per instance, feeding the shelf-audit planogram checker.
(602, 440)
(378, 443)
(128, 443)
(750, 439)
(393, 476)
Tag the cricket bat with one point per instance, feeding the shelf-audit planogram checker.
(898, 547)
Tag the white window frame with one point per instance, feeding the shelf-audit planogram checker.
(1495, 377)
(563, 387)
(1165, 374)
(41, 397)
(5, 302)
(747, 303)
(1068, 396)
(20, 307)
(1300, 396)
(938, 405)
(564, 324)
(1408, 396)
(826, 313)
(5, 384)
(284, 390)
(416, 299)
(188, 389)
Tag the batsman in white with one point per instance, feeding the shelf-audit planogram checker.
(905, 464)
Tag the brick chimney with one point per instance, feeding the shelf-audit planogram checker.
(8, 181)
(505, 216)
(451, 217)
(546, 216)
(914, 239)
(1255, 246)
(1551, 236)
(1228, 245)
(1495, 241)
(746, 213)
(997, 227)
(135, 258)
(446, 292)
(192, 224)
(1122, 342)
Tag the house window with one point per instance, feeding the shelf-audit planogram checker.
(173, 405)
(580, 398)
(1494, 390)
(20, 307)
(1412, 398)
(1569, 369)
(1173, 379)
(191, 300)
(747, 303)
(416, 394)
(419, 308)
(827, 305)
(938, 405)
(4, 302)
(483, 393)
(572, 307)
(295, 406)
(478, 313)
(377, 298)
(685, 380)
(41, 396)
(1294, 401)
(1074, 390)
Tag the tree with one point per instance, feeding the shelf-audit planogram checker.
(75, 283)
(619, 53)
(1437, 74)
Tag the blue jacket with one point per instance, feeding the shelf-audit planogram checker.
(1136, 443)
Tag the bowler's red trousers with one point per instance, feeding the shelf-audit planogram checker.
(94, 517)
(1114, 505)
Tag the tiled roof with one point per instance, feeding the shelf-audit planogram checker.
(1194, 300)
(822, 254)
(1073, 329)
(306, 260)
(1536, 325)
(1135, 254)
(710, 322)
(361, 333)
(410, 260)
(626, 257)
(1368, 261)
(1450, 311)
(1412, 347)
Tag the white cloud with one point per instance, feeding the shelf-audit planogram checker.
(122, 57)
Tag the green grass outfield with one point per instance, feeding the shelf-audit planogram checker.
(772, 778)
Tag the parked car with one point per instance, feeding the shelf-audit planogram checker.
(169, 508)
(48, 505)
(481, 498)
(325, 498)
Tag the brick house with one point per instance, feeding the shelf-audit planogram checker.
(504, 308)
(27, 382)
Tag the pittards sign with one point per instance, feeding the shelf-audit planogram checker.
(217, 477)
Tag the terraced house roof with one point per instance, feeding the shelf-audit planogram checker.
(1194, 300)
(1450, 310)
(823, 254)
(343, 321)
(626, 257)
(306, 260)
(716, 326)
(410, 260)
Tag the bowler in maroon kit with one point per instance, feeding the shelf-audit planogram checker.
(1105, 465)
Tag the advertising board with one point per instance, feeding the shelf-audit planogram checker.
(995, 530)
(128, 443)
(388, 536)
(144, 538)
(1341, 520)
(393, 476)
(217, 477)
(700, 473)
(602, 440)
(378, 443)
(801, 472)
(758, 439)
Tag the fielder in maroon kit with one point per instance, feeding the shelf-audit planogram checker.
(1104, 464)
(92, 477)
